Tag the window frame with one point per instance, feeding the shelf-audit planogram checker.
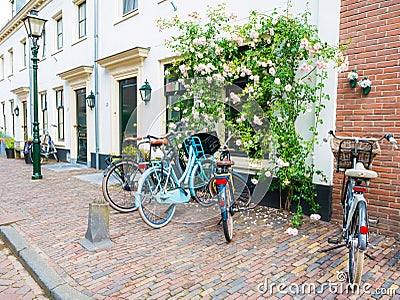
(59, 44)
(82, 20)
(134, 8)
(60, 114)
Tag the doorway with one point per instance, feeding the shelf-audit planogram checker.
(128, 103)
(81, 126)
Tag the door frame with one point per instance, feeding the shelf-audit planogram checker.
(77, 78)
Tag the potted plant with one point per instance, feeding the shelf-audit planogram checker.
(365, 84)
(352, 76)
(10, 148)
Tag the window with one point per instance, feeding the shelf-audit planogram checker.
(59, 33)
(82, 20)
(173, 91)
(60, 114)
(1, 67)
(4, 129)
(13, 117)
(11, 62)
(43, 102)
(24, 58)
(128, 6)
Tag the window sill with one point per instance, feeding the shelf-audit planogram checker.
(127, 16)
(57, 51)
(79, 40)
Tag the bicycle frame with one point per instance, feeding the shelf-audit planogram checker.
(179, 193)
(221, 181)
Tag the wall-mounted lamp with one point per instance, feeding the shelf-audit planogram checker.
(16, 111)
(145, 92)
(90, 99)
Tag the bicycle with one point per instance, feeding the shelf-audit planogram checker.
(355, 155)
(242, 191)
(225, 192)
(160, 188)
(47, 148)
(122, 174)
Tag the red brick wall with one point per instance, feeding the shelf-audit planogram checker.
(373, 30)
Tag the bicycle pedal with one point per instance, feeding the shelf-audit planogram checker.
(373, 221)
(334, 241)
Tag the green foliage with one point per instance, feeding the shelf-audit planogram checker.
(284, 64)
(9, 143)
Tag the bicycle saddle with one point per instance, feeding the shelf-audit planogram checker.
(361, 172)
(224, 163)
(159, 142)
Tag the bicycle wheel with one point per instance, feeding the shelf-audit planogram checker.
(153, 211)
(228, 223)
(241, 194)
(53, 150)
(199, 183)
(118, 183)
(356, 248)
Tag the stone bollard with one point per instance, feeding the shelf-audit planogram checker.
(98, 232)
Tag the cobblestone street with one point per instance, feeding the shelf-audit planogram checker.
(185, 259)
(16, 282)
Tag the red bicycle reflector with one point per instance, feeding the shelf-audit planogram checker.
(363, 229)
(360, 189)
(141, 166)
(222, 203)
(221, 181)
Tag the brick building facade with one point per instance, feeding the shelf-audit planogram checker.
(372, 29)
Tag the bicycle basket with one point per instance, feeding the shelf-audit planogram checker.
(203, 142)
(342, 151)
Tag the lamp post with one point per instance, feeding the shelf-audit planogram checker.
(34, 27)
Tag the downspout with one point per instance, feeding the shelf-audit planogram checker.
(96, 80)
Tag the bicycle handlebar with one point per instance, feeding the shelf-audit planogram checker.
(388, 136)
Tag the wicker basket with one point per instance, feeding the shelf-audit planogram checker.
(341, 149)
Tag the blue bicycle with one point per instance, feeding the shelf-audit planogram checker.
(163, 186)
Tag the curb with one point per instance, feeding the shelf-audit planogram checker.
(52, 283)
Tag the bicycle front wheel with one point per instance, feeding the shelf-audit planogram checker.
(152, 209)
(357, 244)
(227, 222)
(118, 184)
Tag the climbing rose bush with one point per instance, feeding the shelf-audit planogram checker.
(282, 64)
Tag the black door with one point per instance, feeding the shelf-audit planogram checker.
(128, 103)
(81, 125)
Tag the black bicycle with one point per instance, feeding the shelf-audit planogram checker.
(355, 156)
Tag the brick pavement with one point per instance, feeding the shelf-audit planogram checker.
(15, 281)
(184, 260)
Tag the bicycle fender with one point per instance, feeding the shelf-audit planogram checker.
(363, 221)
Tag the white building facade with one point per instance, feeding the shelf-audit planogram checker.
(110, 48)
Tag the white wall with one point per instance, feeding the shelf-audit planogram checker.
(117, 34)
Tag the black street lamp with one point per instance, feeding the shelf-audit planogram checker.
(90, 99)
(34, 27)
(145, 92)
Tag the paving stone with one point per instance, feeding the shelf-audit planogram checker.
(181, 260)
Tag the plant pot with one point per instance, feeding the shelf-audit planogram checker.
(10, 153)
(353, 82)
(366, 90)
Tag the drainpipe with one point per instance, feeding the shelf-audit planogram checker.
(96, 80)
